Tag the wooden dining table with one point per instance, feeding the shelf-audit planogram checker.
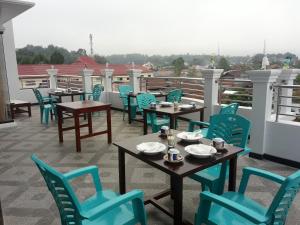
(172, 113)
(83, 107)
(177, 172)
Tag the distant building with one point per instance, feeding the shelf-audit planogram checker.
(35, 75)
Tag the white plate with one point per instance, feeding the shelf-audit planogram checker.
(185, 106)
(151, 148)
(190, 136)
(166, 104)
(200, 150)
(154, 93)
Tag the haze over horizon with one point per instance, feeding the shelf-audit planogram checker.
(163, 27)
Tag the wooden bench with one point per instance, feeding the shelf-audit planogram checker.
(15, 107)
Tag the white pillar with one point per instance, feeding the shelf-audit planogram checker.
(211, 89)
(261, 106)
(287, 77)
(134, 79)
(87, 79)
(108, 76)
(52, 77)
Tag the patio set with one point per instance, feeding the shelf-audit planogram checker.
(207, 152)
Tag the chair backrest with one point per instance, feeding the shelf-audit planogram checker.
(279, 208)
(143, 101)
(38, 96)
(123, 92)
(234, 129)
(97, 89)
(63, 194)
(174, 95)
(229, 109)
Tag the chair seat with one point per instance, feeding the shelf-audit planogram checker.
(222, 216)
(120, 215)
(210, 174)
(160, 122)
(48, 106)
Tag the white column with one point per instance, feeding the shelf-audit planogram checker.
(52, 77)
(261, 106)
(134, 79)
(108, 76)
(211, 89)
(87, 80)
(287, 77)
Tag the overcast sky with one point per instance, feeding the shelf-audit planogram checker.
(163, 26)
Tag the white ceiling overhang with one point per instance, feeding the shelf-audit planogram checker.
(12, 8)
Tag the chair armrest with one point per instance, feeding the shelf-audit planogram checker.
(93, 170)
(237, 208)
(112, 204)
(247, 171)
(200, 123)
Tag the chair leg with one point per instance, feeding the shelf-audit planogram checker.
(41, 114)
(46, 114)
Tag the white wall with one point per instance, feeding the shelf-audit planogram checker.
(11, 61)
(283, 140)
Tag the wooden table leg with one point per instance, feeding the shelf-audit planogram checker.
(12, 110)
(29, 109)
(172, 121)
(145, 122)
(59, 124)
(77, 131)
(90, 123)
(177, 190)
(108, 121)
(232, 174)
(202, 115)
(122, 174)
(129, 109)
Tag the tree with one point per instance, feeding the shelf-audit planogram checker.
(40, 59)
(57, 58)
(224, 64)
(256, 61)
(100, 59)
(178, 65)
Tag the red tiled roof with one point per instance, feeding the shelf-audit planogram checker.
(76, 68)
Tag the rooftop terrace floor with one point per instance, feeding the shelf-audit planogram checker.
(26, 200)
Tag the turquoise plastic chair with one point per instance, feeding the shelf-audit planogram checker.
(105, 207)
(47, 105)
(123, 93)
(234, 129)
(229, 109)
(96, 93)
(174, 95)
(235, 208)
(144, 100)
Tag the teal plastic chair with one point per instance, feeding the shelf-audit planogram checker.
(234, 129)
(174, 95)
(229, 109)
(235, 208)
(95, 95)
(144, 100)
(105, 207)
(123, 94)
(47, 106)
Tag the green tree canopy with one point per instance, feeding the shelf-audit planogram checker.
(178, 65)
(224, 64)
(100, 59)
(57, 58)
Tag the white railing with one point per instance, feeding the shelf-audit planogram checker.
(191, 87)
(287, 104)
(33, 82)
(235, 90)
(75, 82)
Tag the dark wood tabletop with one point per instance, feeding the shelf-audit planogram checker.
(189, 166)
(170, 110)
(82, 105)
(156, 94)
(66, 93)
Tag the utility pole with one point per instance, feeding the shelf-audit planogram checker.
(91, 44)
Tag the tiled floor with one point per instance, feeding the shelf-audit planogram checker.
(26, 200)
